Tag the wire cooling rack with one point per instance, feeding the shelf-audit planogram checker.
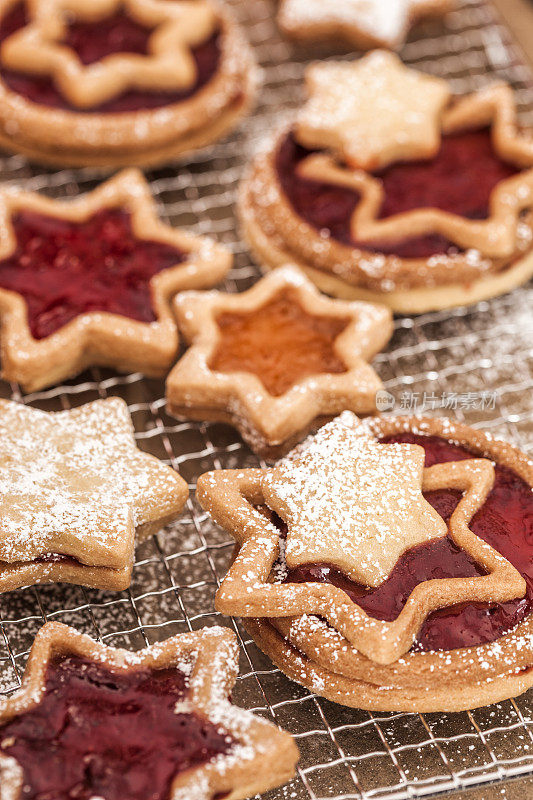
(474, 364)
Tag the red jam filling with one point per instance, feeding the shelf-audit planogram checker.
(99, 733)
(93, 41)
(57, 558)
(505, 522)
(459, 179)
(63, 268)
(47, 558)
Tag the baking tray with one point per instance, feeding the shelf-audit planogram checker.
(474, 364)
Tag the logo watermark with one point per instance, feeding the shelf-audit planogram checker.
(414, 402)
(384, 400)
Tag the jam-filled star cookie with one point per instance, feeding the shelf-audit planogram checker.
(386, 188)
(386, 563)
(274, 359)
(89, 281)
(96, 721)
(362, 23)
(74, 492)
(119, 82)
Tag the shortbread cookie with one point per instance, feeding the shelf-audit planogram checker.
(421, 696)
(119, 82)
(74, 491)
(362, 23)
(393, 114)
(89, 281)
(379, 582)
(89, 720)
(385, 189)
(274, 359)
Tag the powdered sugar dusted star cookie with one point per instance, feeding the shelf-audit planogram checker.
(362, 23)
(373, 111)
(74, 491)
(352, 502)
(387, 188)
(358, 606)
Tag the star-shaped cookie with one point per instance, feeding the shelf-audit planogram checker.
(352, 502)
(74, 490)
(89, 281)
(275, 358)
(38, 48)
(89, 718)
(252, 587)
(372, 111)
(496, 236)
(363, 23)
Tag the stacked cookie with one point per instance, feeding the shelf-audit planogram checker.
(365, 561)
(118, 83)
(383, 563)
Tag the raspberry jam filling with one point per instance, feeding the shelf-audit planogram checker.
(98, 733)
(46, 559)
(57, 558)
(63, 268)
(281, 344)
(93, 41)
(505, 522)
(459, 179)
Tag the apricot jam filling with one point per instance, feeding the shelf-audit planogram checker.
(63, 268)
(103, 733)
(459, 179)
(280, 343)
(505, 522)
(93, 41)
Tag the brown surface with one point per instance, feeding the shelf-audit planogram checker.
(520, 789)
(518, 14)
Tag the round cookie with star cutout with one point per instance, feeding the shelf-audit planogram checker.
(119, 82)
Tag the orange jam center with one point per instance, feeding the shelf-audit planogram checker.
(280, 343)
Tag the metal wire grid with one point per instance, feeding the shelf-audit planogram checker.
(344, 753)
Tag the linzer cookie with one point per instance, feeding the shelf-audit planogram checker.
(89, 281)
(89, 720)
(362, 23)
(74, 492)
(387, 188)
(386, 564)
(119, 82)
(275, 359)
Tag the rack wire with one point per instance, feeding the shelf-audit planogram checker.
(479, 359)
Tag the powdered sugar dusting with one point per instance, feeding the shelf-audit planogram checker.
(208, 658)
(353, 502)
(74, 482)
(373, 111)
(383, 20)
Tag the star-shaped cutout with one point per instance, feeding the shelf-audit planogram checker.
(51, 264)
(372, 111)
(273, 400)
(363, 23)
(178, 27)
(494, 237)
(74, 490)
(250, 588)
(352, 502)
(214, 748)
